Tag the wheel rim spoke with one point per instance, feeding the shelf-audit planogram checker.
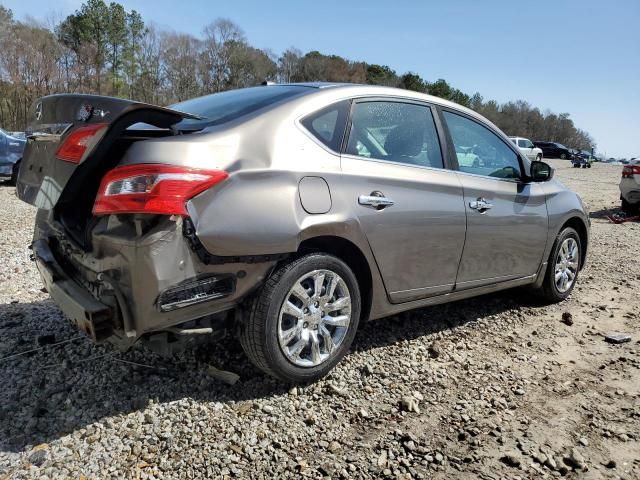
(331, 286)
(290, 309)
(338, 304)
(288, 335)
(318, 281)
(301, 293)
(339, 321)
(297, 348)
(329, 346)
(314, 318)
(315, 349)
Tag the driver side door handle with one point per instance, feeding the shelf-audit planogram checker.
(481, 205)
(376, 200)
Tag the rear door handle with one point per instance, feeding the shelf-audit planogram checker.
(376, 200)
(481, 205)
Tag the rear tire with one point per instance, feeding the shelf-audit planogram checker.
(291, 332)
(14, 173)
(563, 267)
(627, 207)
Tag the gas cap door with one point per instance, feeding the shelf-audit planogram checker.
(315, 196)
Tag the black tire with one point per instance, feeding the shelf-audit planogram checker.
(549, 290)
(563, 156)
(626, 207)
(14, 173)
(588, 165)
(259, 332)
(538, 158)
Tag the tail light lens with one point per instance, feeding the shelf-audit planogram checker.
(75, 145)
(628, 171)
(153, 188)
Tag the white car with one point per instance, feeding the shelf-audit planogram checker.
(630, 187)
(527, 147)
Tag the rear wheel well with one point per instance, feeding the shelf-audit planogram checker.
(578, 225)
(350, 254)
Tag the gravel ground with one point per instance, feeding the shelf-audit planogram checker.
(493, 387)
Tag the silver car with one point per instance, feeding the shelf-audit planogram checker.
(630, 187)
(295, 212)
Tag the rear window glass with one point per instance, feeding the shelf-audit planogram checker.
(328, 124)
(227, 106)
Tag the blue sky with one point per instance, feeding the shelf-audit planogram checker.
(581, 57)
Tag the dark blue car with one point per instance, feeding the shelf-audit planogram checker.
(11, 148)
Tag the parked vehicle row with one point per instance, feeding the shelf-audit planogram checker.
(11, 148)
(305, 208)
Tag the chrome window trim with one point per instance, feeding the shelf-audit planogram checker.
(400, 164)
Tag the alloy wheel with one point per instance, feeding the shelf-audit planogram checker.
(314, 318)
(567, 263)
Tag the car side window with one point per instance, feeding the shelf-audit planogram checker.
(522, 143)
(479, 150)
(395, 132)
(328, 124)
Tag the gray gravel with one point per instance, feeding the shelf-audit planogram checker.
(493, 387)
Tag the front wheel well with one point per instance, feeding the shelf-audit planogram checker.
(578, 225)
(350, 254)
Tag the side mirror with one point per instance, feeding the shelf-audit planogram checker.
(541, 171)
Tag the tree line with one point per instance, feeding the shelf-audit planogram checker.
(105, 49)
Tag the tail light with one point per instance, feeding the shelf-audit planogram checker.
(153, 188)
(628, 171)
(75, 145)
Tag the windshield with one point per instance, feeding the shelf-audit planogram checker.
(226, 106)
(559, 145)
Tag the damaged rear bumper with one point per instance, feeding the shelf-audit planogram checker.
(90, 316)
(132, 283)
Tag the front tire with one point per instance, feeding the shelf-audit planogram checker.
(538, 158)
(304, 319)
(563, 267)
(563, 156)
(627, 207)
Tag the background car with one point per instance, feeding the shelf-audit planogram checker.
(554, 150)
(292, 211)
(527, 148)
(11, 149)
(630, 187)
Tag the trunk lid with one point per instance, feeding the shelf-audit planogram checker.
(45, 179)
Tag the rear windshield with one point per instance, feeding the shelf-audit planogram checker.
(226, 106)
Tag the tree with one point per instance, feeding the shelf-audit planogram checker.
(412, 81)
(220, 37)
(289, 65)
(381, 75)
(103, 48)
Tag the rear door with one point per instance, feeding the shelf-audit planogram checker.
(410, 208)
(506, 216)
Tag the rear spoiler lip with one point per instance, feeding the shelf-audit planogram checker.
(132, 104)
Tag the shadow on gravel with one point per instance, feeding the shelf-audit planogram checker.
(59, 389)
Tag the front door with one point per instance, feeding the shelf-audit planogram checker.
(506, 217)
(410, 208)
